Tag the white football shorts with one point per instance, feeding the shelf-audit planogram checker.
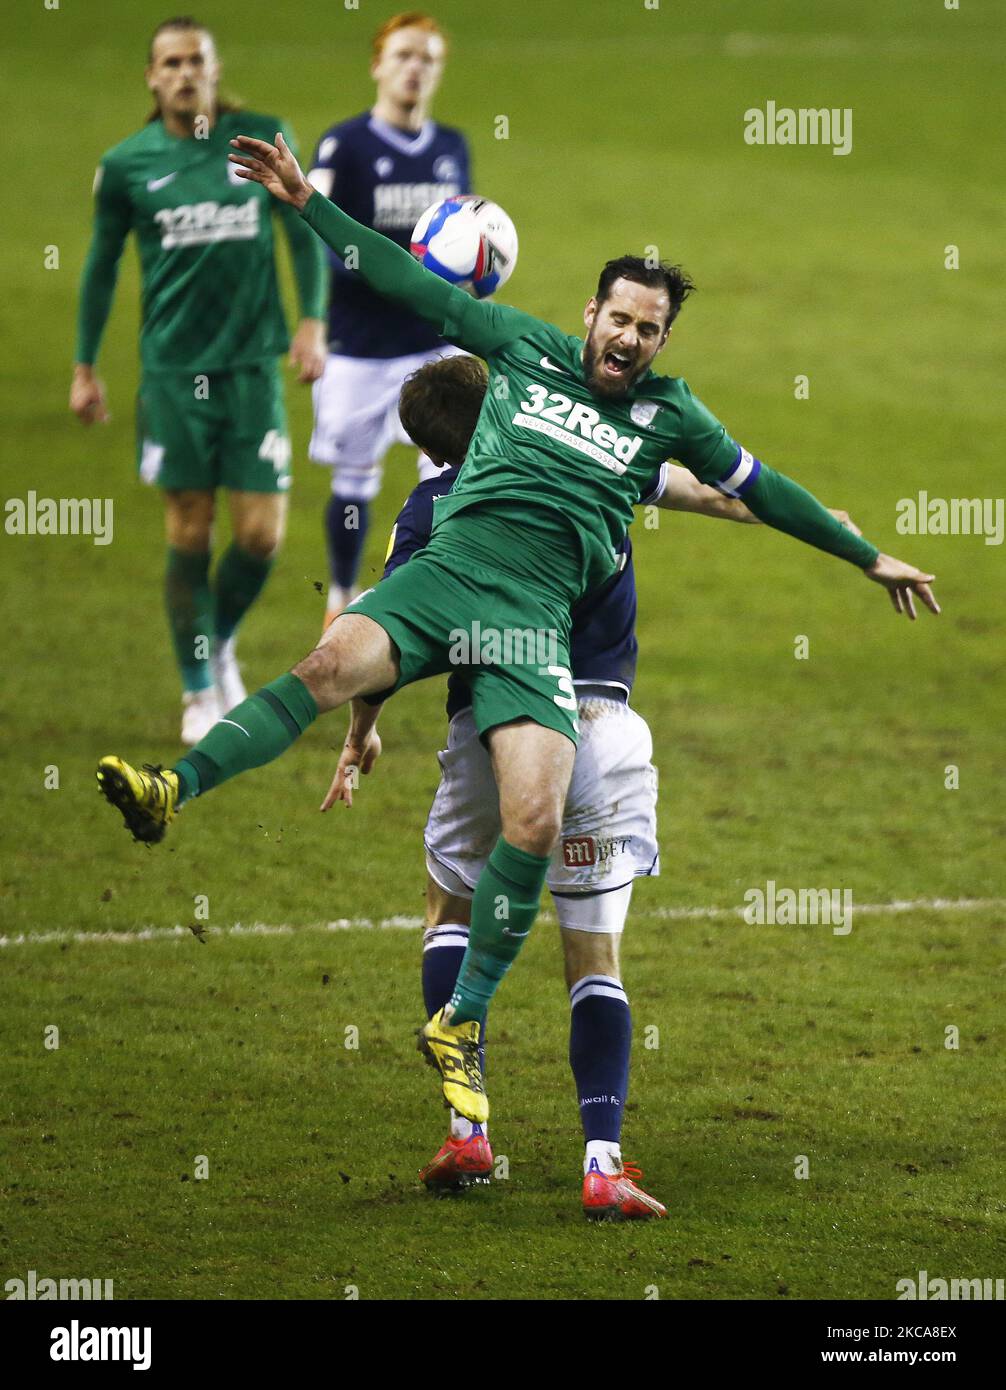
(609, 831)
(356, 418)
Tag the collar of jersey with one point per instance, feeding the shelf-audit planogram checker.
(387, 132)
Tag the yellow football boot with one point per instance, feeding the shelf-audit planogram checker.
(147, 798)
(454, 1051)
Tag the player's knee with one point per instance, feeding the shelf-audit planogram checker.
(261, 541)
(320, 671)
(190, 526)
(534, 825)
(263, 544)
(340, 668)
(193, 539)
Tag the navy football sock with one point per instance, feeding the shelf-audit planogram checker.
(443, 951)
(600, 1039)
(346, 531)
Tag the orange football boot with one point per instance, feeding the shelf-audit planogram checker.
(615, 1196)
(458, 1164)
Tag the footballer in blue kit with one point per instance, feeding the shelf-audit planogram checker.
(384, 167)
(608, 834)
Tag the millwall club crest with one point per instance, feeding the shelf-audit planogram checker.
(643, 413)
(446, 170)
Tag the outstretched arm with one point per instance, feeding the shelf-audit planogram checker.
(682, 492)
(778, 501)
(473, 324)
(713, 456)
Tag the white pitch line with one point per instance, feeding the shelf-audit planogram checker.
(179, 933)
(672, 914)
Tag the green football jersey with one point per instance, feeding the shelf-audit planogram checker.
(210, 294)
(552, 458)
(544, 439)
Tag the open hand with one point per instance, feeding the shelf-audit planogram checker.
(273, 166)
(902, 582)
(354, 757)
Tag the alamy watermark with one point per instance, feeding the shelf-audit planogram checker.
(60, 516)
(951, 516)
(805, 125)
(76, 1343)
(43, 1288)
(774, 906)
(955, 1290)
(509, 646)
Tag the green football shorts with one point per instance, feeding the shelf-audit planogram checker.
(509, 642)
(220, 429)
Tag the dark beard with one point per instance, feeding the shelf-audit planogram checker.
(610, 390)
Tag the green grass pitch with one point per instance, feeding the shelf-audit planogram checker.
(772, 1042)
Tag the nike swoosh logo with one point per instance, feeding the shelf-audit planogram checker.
(550, 366)
(154, 184)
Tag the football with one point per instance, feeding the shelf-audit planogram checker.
(468, 241)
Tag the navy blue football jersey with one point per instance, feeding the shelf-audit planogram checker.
(603, 647)
(383, 177)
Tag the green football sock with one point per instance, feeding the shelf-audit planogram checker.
(254, 732)
(237, 584)
(504, 907)
(190, 614)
